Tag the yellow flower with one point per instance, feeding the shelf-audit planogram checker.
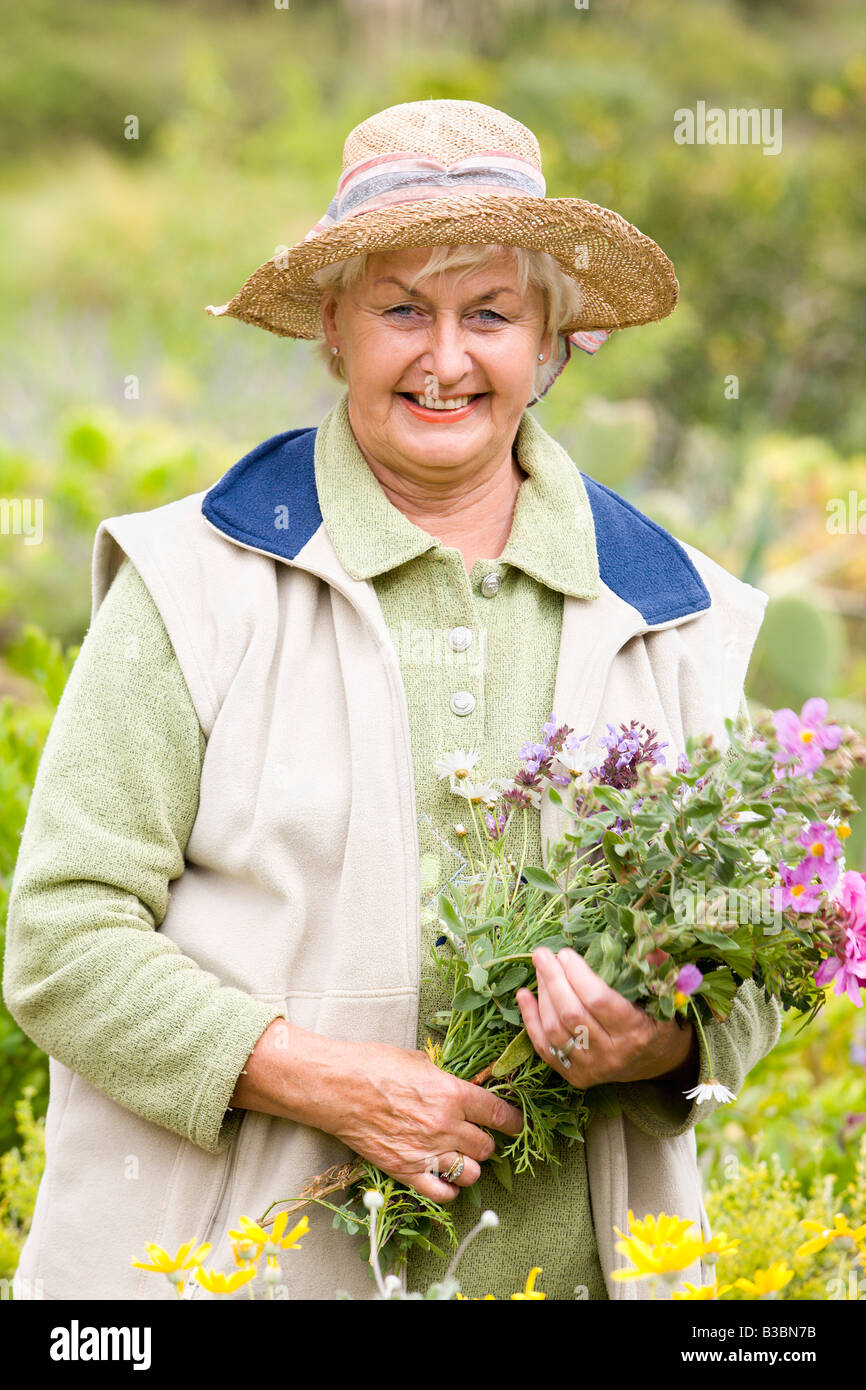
(701, 1292)
(657, 1259)
(215, 1282)
(163, 1263)
(464, 1299)
(271, 1241)
(656, 1230)
(173, 1266)
(530, 1290)
(766, 1280)
(719, 1245)
(840, 1230)
(433, 1050)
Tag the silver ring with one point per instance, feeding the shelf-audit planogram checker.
(455, 1170)
(569, 1047)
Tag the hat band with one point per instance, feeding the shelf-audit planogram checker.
(407, 177)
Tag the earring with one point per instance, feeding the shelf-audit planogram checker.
(335, 350)
(541, 357)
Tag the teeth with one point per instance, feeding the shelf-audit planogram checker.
(433, 403)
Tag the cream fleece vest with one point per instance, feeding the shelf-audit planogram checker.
(301, 883)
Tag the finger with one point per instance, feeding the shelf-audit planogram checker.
(474, 1142)
(528, 1005)
(482, 1107)
(469, 1174)
(561, 1009)
(429, 1186)
(605, 1006)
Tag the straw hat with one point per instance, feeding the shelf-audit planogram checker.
(427, 173)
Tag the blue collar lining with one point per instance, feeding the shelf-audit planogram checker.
(268, 500)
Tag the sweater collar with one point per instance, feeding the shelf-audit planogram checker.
(269, 502)
(552, 534)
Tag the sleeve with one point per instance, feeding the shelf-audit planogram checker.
(734, 1047)
(87, 974)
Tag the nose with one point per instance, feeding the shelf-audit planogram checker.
(447, 357)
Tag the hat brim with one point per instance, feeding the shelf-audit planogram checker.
(625, 277)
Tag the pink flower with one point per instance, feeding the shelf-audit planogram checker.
(824, 848)
(848, 976)
(851, 896)
(847, 968)
(689, 979)
(796, 890)
(803, 738)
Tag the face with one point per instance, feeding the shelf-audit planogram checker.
(479, 337)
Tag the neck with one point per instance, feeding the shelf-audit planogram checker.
(474, 517)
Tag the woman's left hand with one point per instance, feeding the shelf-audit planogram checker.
(616, 1040)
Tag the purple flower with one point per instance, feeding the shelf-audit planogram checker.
(689, 979)
(495, 824)
(683, 764)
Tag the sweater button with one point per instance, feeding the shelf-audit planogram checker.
(462, 702)
(490, 584)
(460, 638)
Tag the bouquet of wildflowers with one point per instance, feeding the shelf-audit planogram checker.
(675, 884)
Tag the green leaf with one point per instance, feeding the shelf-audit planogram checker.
(448, 914)
(553, 943)
(603, 1099)
(718, 989)
(465, 1000)
(519, 1050)
(511, 1015)
(502, 1169)
(478, 976)
(512, 979)
(540, 878)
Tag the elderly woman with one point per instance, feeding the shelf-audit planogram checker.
(223, 925)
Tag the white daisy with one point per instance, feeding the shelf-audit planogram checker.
(711, 1090)
(574, 760)
(476, 792)
(457, 764)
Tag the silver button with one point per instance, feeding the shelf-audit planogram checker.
(460, 638)
(462, 702)
(490, 585)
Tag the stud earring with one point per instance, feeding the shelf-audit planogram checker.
(541, 357)
(335, 350)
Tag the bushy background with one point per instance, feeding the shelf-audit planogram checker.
(111, 247)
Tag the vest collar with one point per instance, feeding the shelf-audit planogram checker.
(269, 502)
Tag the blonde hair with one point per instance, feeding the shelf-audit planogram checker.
(561, 294)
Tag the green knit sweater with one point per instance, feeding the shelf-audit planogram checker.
(117, 794)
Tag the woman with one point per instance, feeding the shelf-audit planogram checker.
(222, 924)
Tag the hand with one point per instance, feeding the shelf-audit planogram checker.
(616, 1040)
(390, 1104)
(408, 1116)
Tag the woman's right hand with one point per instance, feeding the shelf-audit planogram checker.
(389, 1104)
(400, 1111)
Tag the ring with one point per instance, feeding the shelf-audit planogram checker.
(455, 1170)
(569, 1047)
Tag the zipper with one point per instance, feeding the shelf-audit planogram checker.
(228, 1173)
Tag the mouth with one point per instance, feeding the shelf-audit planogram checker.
(446, 408)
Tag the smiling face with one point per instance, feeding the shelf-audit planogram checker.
(475, 336)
